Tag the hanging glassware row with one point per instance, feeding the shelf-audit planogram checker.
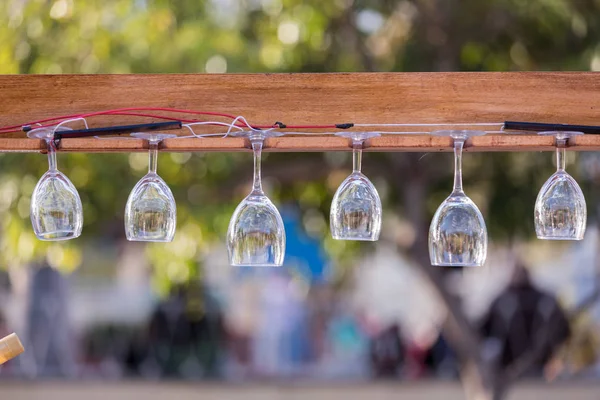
(256, 235)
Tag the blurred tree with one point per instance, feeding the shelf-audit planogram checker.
(123, 36)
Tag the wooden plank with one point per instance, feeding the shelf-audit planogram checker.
(314, 143)
(21, 145)
(554, 97)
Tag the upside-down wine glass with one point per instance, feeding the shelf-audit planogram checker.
(458, 235)
(256, 236)
(560, 209)
(56, 211)
(151, 212)
(356, 206)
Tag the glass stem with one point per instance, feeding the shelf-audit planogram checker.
(51, 155)
(153, 156)
(561, 145)
(356, 156)
(458, 148)
(256, 183)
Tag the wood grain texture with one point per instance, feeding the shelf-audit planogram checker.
(316, 143)
(10, 347)
(554, 97)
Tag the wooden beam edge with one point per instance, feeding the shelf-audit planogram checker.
(316, 143)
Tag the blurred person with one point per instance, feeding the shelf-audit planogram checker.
(348, 344)
(387, 352)
(441, 360)
(184, 338)
(3, 325)
(105, 350)
(48, 337)
(523, 322)
(238, 343)
(321, 305)
(240, 320)
(280, 343)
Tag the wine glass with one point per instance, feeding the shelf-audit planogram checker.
(256, 236)
(151, 212)
(458, 235)
(560, 210)
(356, 206)
(56, 211)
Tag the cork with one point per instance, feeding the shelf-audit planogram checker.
(10, 347)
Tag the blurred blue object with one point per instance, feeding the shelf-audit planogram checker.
(304, 255)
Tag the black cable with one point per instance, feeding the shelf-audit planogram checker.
(540, 127)
(116, 130)
(119, 130)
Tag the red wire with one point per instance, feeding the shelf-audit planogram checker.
(137, 115)
(117, 110)
(153, 116)
(19, 127)
(175, 110)
(125, 111)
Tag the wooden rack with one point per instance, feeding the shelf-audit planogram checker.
(382, 98)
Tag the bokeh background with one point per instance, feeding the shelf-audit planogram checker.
(100, 316)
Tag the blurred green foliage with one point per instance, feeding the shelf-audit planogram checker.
(140, 36)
